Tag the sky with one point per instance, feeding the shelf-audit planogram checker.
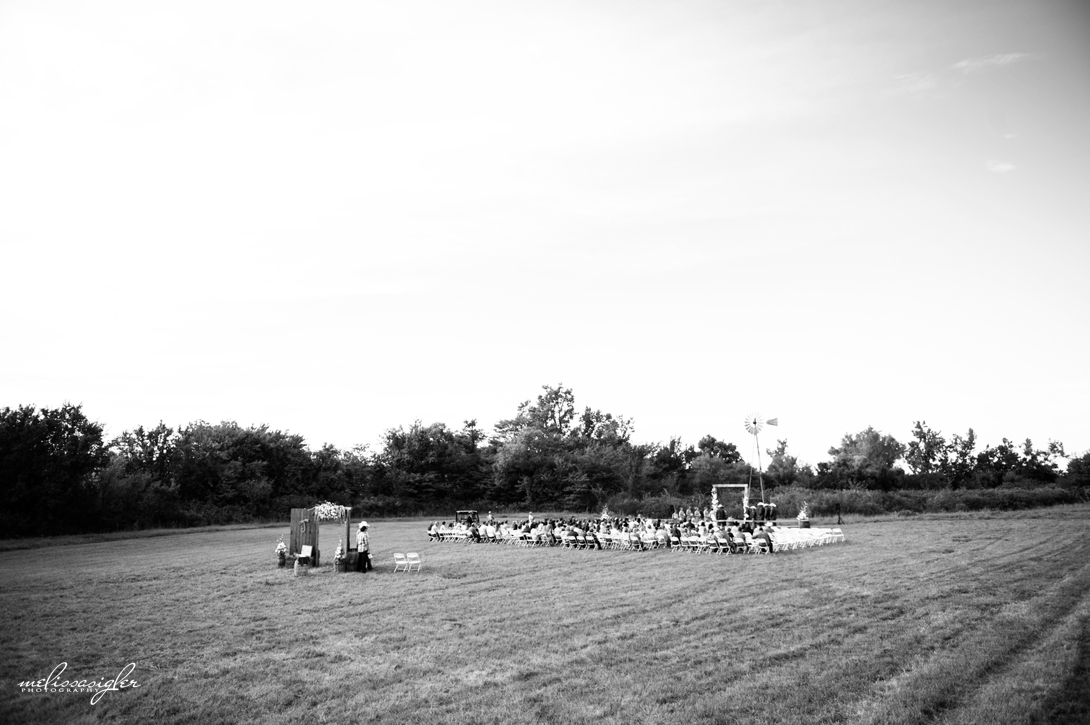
(338, 218)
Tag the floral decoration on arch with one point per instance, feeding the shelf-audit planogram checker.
(327, 511)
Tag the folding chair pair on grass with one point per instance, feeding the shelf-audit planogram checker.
(406, 562)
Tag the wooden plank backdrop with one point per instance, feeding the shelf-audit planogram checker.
(304, 532)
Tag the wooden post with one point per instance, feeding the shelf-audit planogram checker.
(349, 539)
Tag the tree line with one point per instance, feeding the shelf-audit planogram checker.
(59, 475)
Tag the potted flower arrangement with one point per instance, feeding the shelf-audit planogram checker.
(804, 516)
(338, 558)
(282, 552)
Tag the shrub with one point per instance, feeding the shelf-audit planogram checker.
(789, 500)
(660, 507)
(622, 505)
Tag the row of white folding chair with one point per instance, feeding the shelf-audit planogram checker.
(790, 539)
(756, 544)
(721, 545)
(700, 545)
(690, 543)
(618, 541)
(610, 541)
(605, 541)
(575, 541)
(820, 537)
(628, 542)
(782, 541)
(632, 541)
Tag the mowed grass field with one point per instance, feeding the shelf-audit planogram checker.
(952, 619)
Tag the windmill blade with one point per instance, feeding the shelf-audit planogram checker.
(754, 422)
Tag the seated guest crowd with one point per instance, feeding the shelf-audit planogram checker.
(686, 530)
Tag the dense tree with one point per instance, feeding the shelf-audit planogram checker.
(240, 472)
(57, 475)
(668, 467)
(48, 459)
(531, 468)
(722, 450)
(1011, 464)
(594, 425)
(783, 469)
(138, 487)
(546, 455)
(959, 459)
(863, 460)
(1041, 465)
(926, 452)
(339, 476)
(151, 452)
(708, 469)
(433, 463)
(717, 462)
(552, 413)
(1078, 474)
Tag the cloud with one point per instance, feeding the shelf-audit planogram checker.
(1000, 167)
(935, 84)
(973, 65)
(913, 84)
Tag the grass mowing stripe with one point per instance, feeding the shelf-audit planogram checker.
(1041, 682)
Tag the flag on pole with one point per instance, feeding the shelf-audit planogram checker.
(773, 421)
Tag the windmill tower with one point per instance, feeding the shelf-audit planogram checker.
(754, 423)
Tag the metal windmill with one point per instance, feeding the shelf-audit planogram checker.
(754, 423)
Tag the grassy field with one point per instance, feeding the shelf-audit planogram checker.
(979, 618)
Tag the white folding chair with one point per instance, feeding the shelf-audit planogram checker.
(306, 554)
(412, 559)
(400, 562)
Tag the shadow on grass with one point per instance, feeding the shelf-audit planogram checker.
(1071, 703)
